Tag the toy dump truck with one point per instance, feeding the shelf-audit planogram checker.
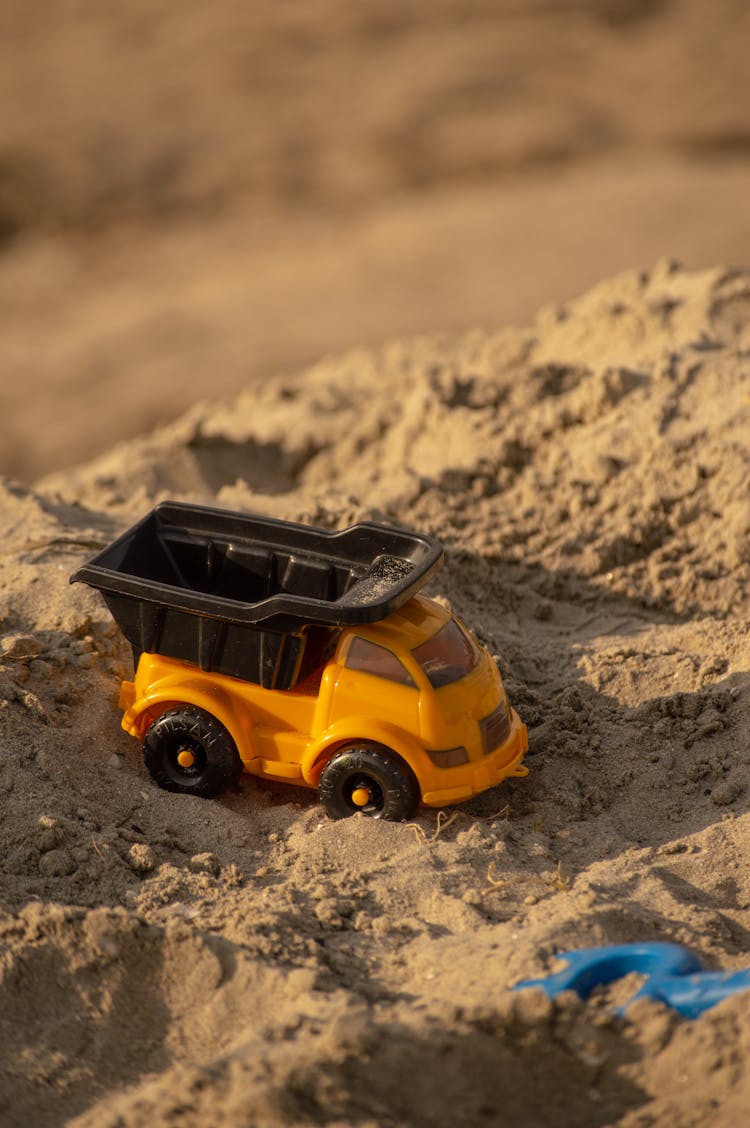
(305, 656)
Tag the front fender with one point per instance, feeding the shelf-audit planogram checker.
(356, 730)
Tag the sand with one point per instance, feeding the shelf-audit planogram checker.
(165, 959)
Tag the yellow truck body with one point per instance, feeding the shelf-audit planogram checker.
(378, 690)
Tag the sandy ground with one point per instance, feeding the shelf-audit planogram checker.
(246, 961)
(194, 198)
(197, 203)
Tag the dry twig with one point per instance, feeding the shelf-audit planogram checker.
(443, 821)
(562, 878)
(494, 882)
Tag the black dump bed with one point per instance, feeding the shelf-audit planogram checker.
(239, 593)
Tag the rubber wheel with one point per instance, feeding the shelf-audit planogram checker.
(190, 751)
(370, 779)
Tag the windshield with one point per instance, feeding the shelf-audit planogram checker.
(448, 655)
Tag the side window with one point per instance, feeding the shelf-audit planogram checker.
(374, 659)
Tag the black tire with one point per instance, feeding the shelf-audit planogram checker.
(216, 764)
(392, 787)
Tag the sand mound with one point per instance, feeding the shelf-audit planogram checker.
(246, 960)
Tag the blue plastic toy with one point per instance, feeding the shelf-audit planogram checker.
(675, 976)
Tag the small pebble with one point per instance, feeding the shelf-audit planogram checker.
(233, 876)
(57, 863)
(141, 858)
(205, 863)
(49, 835)
(327, 913)
(80, 645)
(20, 646)
(726, 792)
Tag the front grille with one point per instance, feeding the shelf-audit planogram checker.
(495, 728)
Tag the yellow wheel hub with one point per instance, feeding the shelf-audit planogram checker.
(185, 758)
(361, 796)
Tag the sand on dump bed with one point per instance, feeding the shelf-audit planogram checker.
(246, 961)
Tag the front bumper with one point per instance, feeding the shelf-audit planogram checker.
(475, 777)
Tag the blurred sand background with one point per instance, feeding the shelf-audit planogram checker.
(240, 203)
(197, 197)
